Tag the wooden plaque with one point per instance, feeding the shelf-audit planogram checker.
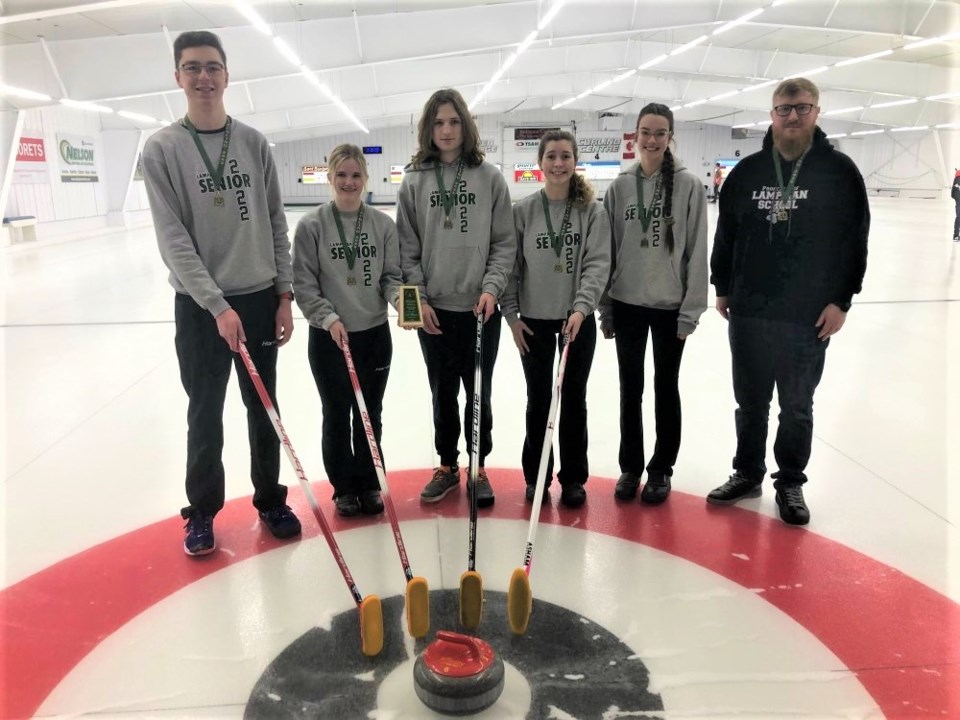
(408, 307)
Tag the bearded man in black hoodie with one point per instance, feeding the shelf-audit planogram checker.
(790, 253)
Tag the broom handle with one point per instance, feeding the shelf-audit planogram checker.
(545, 456)
(377, 460)
(475, 455)
(298, 469)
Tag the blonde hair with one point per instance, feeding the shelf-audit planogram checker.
(345, 152)
(581, 191)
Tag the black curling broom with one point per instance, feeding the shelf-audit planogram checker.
(371, 612)
(417, 595)
(471, 584)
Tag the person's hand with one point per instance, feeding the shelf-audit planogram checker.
(431, 325)
(572, 326)
(487, 304)
(606, 329)
(723, 306)
(231, 329)
(283, 322)
(519, 329)
(338, 333)
(830, 321)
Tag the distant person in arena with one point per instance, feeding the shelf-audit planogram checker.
(789, 254)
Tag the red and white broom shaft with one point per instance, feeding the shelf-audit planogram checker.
(298, 469)
(545, 451)
(377, 461)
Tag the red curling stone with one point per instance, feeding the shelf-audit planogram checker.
(458, 674)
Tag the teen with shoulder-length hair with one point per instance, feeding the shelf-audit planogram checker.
(561, 270)
(658, 288)
(346, 268)
(457, 244)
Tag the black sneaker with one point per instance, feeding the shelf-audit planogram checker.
(347, 505)
(445, 479)
(735, 489)
(627, 486)
(656, 490)
(573, 495)
(282, 522)
(793, 509)
(370, 502)
(199, 540)
(485, 496)
(532, 490)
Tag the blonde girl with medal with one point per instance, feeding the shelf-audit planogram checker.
(218, 215)
(658, 289)
(457, 244)
(346, 268)
(562, 267)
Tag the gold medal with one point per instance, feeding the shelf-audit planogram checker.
(218, 201)
(558, 268)
(447, 222)
(351, 280)
(782, 215)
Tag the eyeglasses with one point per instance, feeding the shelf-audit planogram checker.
(195, 68)
(801, 108)
(659, 134)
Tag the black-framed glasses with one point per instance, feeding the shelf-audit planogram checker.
(801, 108)
(195, 68)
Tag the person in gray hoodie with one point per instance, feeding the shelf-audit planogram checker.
(562, 268)
(215, 200)
(346, 268)
(458, 245)
(658, 286)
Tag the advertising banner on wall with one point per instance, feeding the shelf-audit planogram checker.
(600, 144)
(527, 173)
(30, 167)
(603, 170)
(528, 138)
(78, 161)
(488, 146)
(314, 175)
(396, 174)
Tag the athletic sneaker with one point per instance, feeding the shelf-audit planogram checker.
(793, 509)
(281, 521)
(370, 502)
(573, 495)
(485, 495)
(656, 490)
(627, 486)
(199, 540)
(735, 489)
(445, 478)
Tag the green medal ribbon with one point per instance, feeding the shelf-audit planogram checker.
(215, 173)
(556, 241)
(786, 192)
(349, 251)
(646, 215)
(447, 197)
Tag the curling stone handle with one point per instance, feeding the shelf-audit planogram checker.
(465, 640)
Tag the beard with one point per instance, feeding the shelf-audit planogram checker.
(792, 145)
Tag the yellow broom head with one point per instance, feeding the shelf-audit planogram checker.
(519, 602)
(371, 626)
(418, 607)
(471, 599)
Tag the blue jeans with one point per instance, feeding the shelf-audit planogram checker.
(790, 357)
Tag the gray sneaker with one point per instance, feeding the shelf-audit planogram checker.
(485, 496)
(444, 480)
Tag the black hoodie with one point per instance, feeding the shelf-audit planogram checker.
(790, 270)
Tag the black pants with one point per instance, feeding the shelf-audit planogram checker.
(346, 453)
(538, 368)
(631, 324)
(956, 220)
(765, 354)
(450, 360)
(205, 360)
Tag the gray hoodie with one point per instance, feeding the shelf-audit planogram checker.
(645, 273)
(536, 289)
(321, 276)
(453, 266)
(236, 248)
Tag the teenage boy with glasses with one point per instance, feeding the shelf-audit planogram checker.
(215, 200)
(790, 253)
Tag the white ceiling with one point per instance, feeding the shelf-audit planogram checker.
(383, 58)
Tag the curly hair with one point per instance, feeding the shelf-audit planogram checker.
(581, 191)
